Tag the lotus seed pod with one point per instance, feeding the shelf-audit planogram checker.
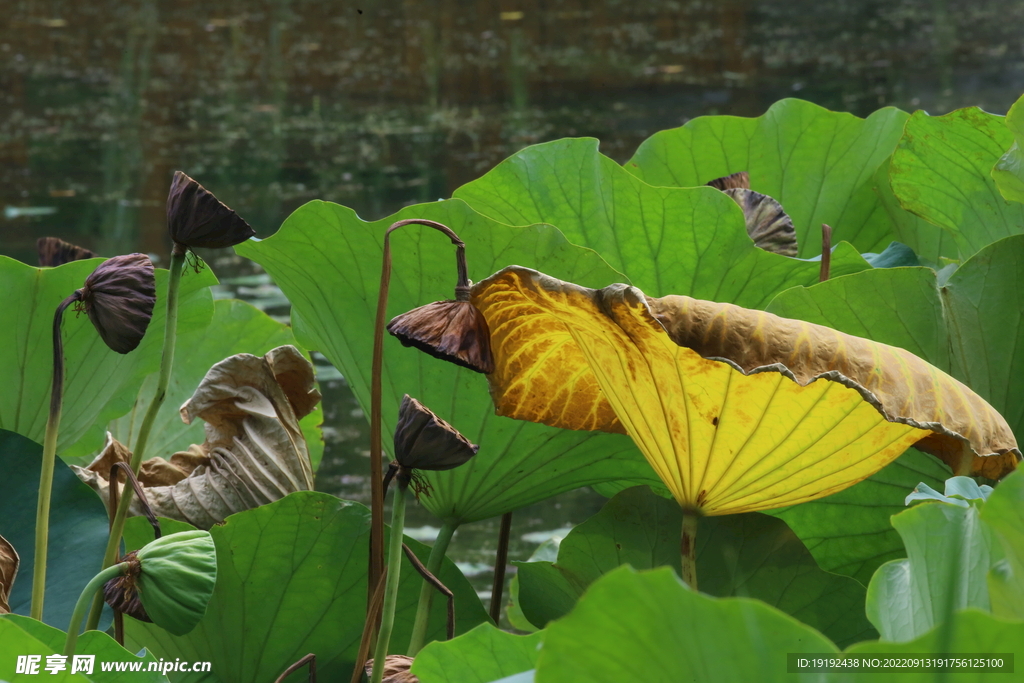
(423, 441)
(196, 218)
(177, 577)
(53, 251)
(119, 297)
(454, 331)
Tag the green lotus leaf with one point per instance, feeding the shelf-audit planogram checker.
(100, 384)
(849, 532)
(1009, 170)
(960, 491)
(970, 631)
(291, 579)
(941, 171)
(1004, 514)
(749, 555)
(78, 530)
(667, 240)
(236, 327)
(818, 164)
(23, 636)
(327, 261)
(482, 655)
(929, 241)
(670, 633)
(949, 554)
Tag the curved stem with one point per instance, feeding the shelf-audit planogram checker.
(688, 549)
(387, 621)
(49, 461)
(434, 560)
(92, 588)
(166, 361)
(376, 393)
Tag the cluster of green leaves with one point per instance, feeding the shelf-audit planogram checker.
(816, 577)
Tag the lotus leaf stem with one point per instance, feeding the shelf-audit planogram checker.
(91, 589)
(49, 461)
(434, 560)
(500, 563)
(826, 252)
(166, 361)
(387, 621)
(688, 549)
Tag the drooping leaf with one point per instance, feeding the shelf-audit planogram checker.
(328, 263)
(480, 656)
(645, 627)
(9, 562)
(970, 631)
(291, 579)
(254, 452)
(849, 532)
(666, 240)
(78, 529)
(725, 402)
(236, 327)
(23, 636)
(100, 384)
(941, 171)
(979, 307)
(949, 554)
(1004, 514)
(817, 163)
(750, 555)
(1009, 170)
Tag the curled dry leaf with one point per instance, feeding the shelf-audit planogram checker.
(396, 669)
(254, 451)
(737, 410)
(9, 562)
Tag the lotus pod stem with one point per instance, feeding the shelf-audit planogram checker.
(434, 560)
(91, 589)
(49, 461)
(387, 621)
(166, 362)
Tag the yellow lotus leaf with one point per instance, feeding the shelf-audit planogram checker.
(736, 410)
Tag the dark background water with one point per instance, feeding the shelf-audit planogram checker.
(380, 105)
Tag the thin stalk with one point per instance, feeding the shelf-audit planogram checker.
(376, 393)
(500, 563)
(387, 621)
(434, 560)
(92, 588)
(826, 252)
(166, 361)
(308, 659)
(688, 549)
(49, 461)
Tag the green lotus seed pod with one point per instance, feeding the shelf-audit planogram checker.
(178, 573)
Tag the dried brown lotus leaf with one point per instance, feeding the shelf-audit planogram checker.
(254, 451)
(196, 218)
(9, 562)
(119, 297)
(423, 441)
(454, 331)
(396, 669)
(53, 251)
(767, 224)
(740, 179)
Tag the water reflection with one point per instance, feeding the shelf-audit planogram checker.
(276, 102)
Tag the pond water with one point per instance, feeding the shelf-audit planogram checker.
(276, 102)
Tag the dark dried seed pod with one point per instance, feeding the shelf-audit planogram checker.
(454, 331)
(741, 180)
(122, 592)
(196, 218)
(396, 669)
(423, 441)
(53, 251)
(119, 297)
(767, 224)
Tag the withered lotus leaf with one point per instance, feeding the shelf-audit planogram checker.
(423, 441)
(736, 410)
(53, 251)
(254, 451)
(767, 224)
(450, 330)
(196, 218)
(396, 669)
(9, 562)
(119, 297)
(733, 180)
